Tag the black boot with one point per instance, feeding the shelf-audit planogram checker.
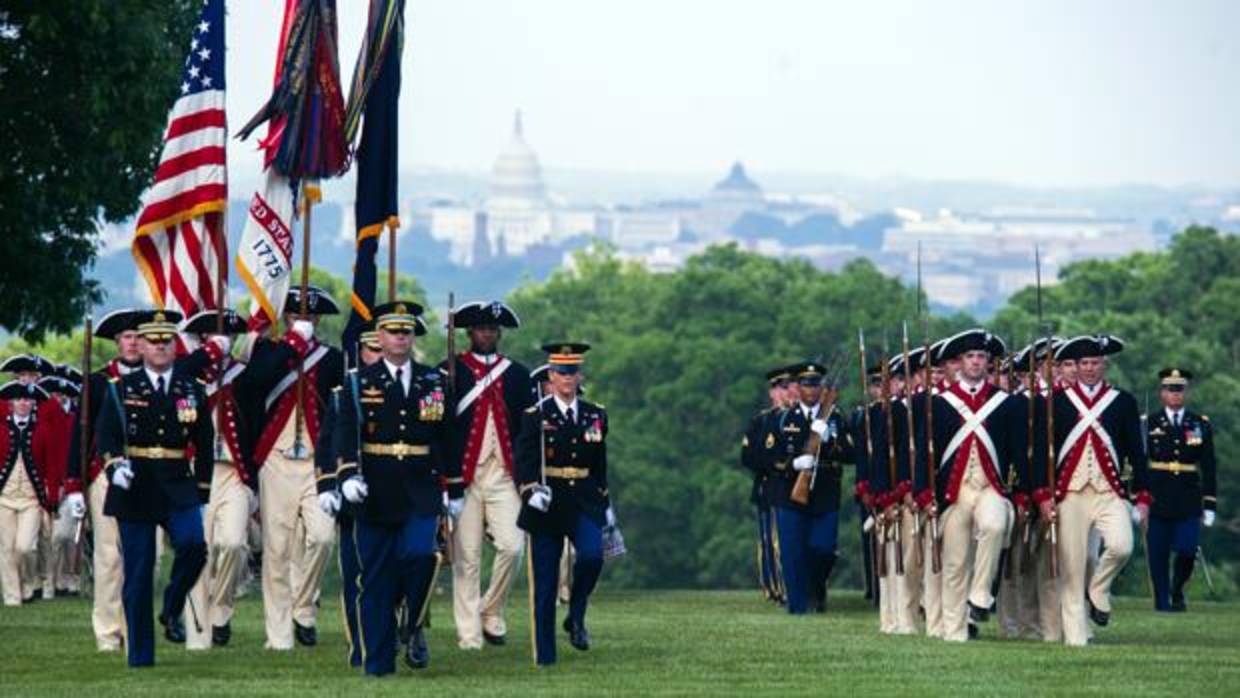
(1099, 617)
(828, 564)
(174, 629)
(1183, 570)
(307, 635)
(221, 634)
(578, 636)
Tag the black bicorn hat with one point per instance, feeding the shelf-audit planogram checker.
(16, 390)
(28, 363)
(1088, 345)
(116, 322)
(482, 314)
(976, 339)
(205, 322)
(318, 301)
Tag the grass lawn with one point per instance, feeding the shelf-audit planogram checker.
(651, 643)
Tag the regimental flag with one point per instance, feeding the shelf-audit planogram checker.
(180, 236)
(376, 91)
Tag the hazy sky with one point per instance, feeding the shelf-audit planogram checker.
(1045, 93)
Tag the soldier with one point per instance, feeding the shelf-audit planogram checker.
(233, 499)
(899, 591)
(807, 530)
(27, 445)
(61, 524)
(1097, 429)
(150, 421)
(492, 392)
(867, 518)
(931, 581)
(1182, 482)
(978, 435)
(758, 449)
(297, 536)
(561, 459)
(107, 619)
(326, 459)
(393, 436)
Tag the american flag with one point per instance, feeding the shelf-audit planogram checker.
(180, 234)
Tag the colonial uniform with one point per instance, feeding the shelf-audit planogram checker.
(1097, 431)
(492, 392)
(561, 463)
(61, 520)
(808, 532)
(156, 441)
(107, 616)
(393, 437)
(900, 587)
(27, 445)
(979, 434)
(758, 449)
(227, 515)
(297, 536)
(1183, 485)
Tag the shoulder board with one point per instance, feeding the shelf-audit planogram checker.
(532, 409)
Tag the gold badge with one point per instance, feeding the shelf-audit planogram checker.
(770, 441)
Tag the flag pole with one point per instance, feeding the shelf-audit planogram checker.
(308, 193)
(392, 223)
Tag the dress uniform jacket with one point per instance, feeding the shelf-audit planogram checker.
(397, 443)
(467, 436)
(793, 432)
(1005, 424)
(758, 448)
(877, 457)
(168, 437)
(1122, 425)
(579, 450)
(37, 446)
(1182, 469)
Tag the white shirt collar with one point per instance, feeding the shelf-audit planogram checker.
(154, 376)
(1091, 390)
(566, 406)
(21, 421)
(405, 372)
(487, 359)
(809, 410)
(971, 388)
(1174, 414)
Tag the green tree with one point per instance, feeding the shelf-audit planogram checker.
(84, 91)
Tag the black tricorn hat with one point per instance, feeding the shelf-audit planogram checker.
(16, 390)
(28, 363)
(116, 322)
(1089, 345)
(318, 301)
(480, 313)
(206, 322)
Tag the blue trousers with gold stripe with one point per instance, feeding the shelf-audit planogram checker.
(587, 538)
(184, 527)
(349, 572)
(395, 560)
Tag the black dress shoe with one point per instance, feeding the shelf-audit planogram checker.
(494, 639)
(174, 629)
(221, 634)
(974, 631)
(306, 636)
(1178, 604)
(417, 654)
(1100, 618)
(578, 636)
(978, 615)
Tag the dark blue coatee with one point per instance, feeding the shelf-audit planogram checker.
(376, 91)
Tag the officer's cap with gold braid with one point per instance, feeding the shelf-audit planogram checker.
(565, 357)
(776, 376)
(400, 316)
(809, 373)
(158, 325)
(369, 337)
(1174, 379)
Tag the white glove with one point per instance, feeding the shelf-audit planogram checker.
(122, 475)
(355, 489)
(329, 502)
(540, 499)
(304, 329)
(819, 427)
(253, 503)
(224, 343)
(75, 504)
(455, 507)
(610, 515)
(1136, 516)
(1207, 517)
(804, 462)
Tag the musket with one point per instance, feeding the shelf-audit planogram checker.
(898, 535)
(813, 444)
(880, 540)
(84, 440)
(1052, 530)
(912, 444)
(451, 388)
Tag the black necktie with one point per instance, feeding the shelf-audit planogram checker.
(400, 380)
(1176, 421)
(159, 385)
(569, 416)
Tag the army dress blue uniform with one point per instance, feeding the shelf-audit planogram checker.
(1183, 485)
(573, 440)
(758, 447)
(395, 439)
(154, 426)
